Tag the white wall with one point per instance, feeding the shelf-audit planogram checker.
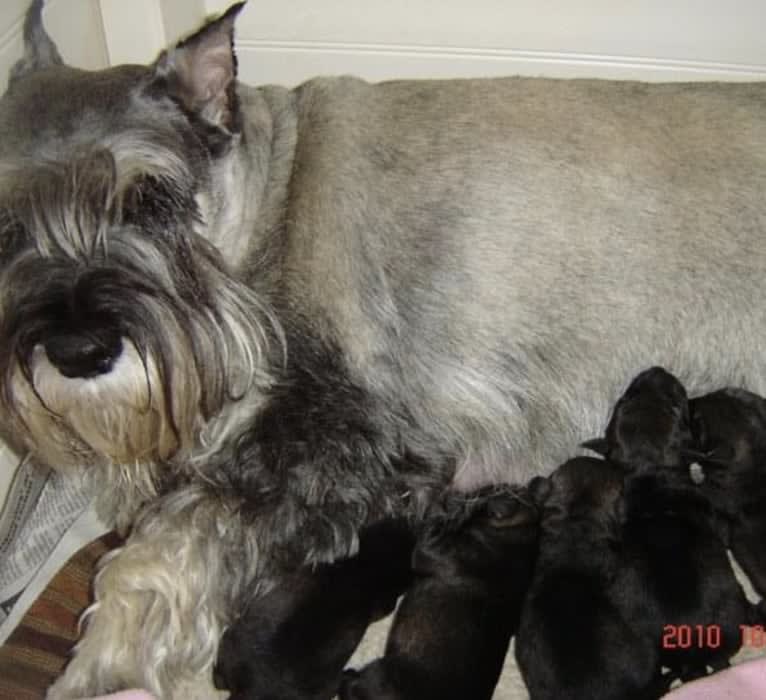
(137, 30)
(76, 25)
(287, 41)
(97, 33)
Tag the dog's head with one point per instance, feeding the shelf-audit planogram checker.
(729, 428)
(123, 334)
(649, 425)
(485, 533)
(582, 487)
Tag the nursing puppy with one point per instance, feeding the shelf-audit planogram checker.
(671, 538)
(452, 630)
(293, 642)
(246, 313)
(577, 639)
(672, 542)
(729, 428)
(649, 426)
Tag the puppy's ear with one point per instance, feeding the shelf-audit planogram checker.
(598, 445)
(200, 73)
(689, 454)
(723, 454)
(508, 511)
(39, 51)
(539, 490)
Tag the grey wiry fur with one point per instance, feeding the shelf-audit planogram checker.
(312, 307)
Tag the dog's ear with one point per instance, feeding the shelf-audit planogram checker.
(39, 51)
(200, 73)
(505, 511)
(539, 490)
(598, 445)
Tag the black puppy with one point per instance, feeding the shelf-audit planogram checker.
(672, 542)
(729, 428)
(452, 631)
(672, 539)
(576, 640)
(649, 426)
(293, 642)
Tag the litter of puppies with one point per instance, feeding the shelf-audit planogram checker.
(612, 572)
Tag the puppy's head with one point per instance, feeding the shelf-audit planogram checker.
(582, 488)
(486, 532)
(124, 334)
(649, 425)
(729, 428)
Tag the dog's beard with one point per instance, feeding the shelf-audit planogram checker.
(110, 243)
(121, 416)
(166, 395)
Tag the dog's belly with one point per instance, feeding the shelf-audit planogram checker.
(503, 256)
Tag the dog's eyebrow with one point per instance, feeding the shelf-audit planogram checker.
(158, 202)
(12, 233)
(68, 207)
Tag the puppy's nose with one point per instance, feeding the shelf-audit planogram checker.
(84, 354)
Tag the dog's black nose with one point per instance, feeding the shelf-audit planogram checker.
(84, 354)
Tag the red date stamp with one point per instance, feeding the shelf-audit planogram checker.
(709, 636)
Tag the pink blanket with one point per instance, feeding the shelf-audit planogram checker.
(746, 681)
(126, 695)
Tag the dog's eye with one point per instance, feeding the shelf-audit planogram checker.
(12, 237)
(156, 203)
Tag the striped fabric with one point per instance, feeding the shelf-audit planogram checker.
(37, 650)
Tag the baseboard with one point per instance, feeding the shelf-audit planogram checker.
(292, 62)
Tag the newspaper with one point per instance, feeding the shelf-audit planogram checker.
(44, 519)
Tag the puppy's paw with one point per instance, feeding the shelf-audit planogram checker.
(373, 682)
(351, 686)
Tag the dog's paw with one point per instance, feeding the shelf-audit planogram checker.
(65, 689)
(350, 686)
(371, 683)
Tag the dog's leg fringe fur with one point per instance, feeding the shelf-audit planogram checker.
(146, 630)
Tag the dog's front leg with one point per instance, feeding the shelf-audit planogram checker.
(161, 601)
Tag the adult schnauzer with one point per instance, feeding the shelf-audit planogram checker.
(259, 319)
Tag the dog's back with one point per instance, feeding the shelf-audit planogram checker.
(545, 207)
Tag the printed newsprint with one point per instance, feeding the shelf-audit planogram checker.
(44, 519)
